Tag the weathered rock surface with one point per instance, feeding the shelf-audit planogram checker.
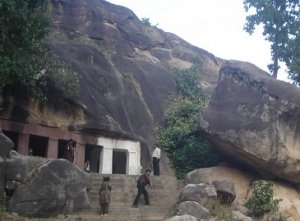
(290, 204)
(199, 193)
(254, 119)
(51, 187)
(192, 208)
(6, 145)
(225, 190)
(182, 218)
(126, 73)
(240, 179)
(19, 166)
(238, 216)
(2, 179)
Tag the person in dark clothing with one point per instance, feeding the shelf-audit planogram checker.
(104, 196)
(70, 151)
(142, 182)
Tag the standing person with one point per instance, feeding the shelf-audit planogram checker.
(30, 153)
(104, 196)
(70, 151)
(155, 160)
(142, 182)
(87, 166)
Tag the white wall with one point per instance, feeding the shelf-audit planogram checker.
(133, 149)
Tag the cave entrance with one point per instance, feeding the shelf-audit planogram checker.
(61, 148)
(119, 161)
(38, 145)
(14, 136)
(92, 154)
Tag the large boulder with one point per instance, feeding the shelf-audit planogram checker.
(254, 119)
(199, 192)
(241, 180)
(192, 208)
(2, 179)
(290, 204)
(19, 166)
(51, 187)
(225, 191)
(182, 218)
(6, 145)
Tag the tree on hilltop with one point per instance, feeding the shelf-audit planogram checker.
(280, 20)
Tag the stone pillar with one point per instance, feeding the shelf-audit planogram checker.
(106, 159)
(80, 155)
(23, 144)
(52, 150)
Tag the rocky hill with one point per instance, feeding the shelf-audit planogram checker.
(126, 72)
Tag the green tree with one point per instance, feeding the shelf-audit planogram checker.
(179, 137)
(146, 21)
(25, 60)
(292, 58)
(278, 18)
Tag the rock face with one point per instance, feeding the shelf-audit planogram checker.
(182, 218)
(42, 188)
(240, 179)
(225, 190)
(126, 72)
(254, 119)
(6, 146)
(192, 208)
(289, 206)
(19, 166)
(199, 193)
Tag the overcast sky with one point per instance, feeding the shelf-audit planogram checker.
(213, 25)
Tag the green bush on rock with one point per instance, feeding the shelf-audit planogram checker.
(261, 202)
(179, 137)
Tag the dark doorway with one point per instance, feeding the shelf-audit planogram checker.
(38, 145)
(14, 136)
(119, 162)
(61, 148)
(92, 153)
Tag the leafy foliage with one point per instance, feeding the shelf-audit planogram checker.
(293, 59)
(261, 201)
(188, 84)
(280, 19)
(179, 137)
(59, 79)
(24, 55)
(146, 21)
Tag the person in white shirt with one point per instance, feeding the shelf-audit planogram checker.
(87, 166)
(155, 160)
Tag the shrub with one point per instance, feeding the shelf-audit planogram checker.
(146, 21)
(25, 57)
(261, 202)
(179, 137)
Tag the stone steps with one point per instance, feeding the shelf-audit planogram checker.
(163, 196)
(84, 217)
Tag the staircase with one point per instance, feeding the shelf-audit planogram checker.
(163, 196)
